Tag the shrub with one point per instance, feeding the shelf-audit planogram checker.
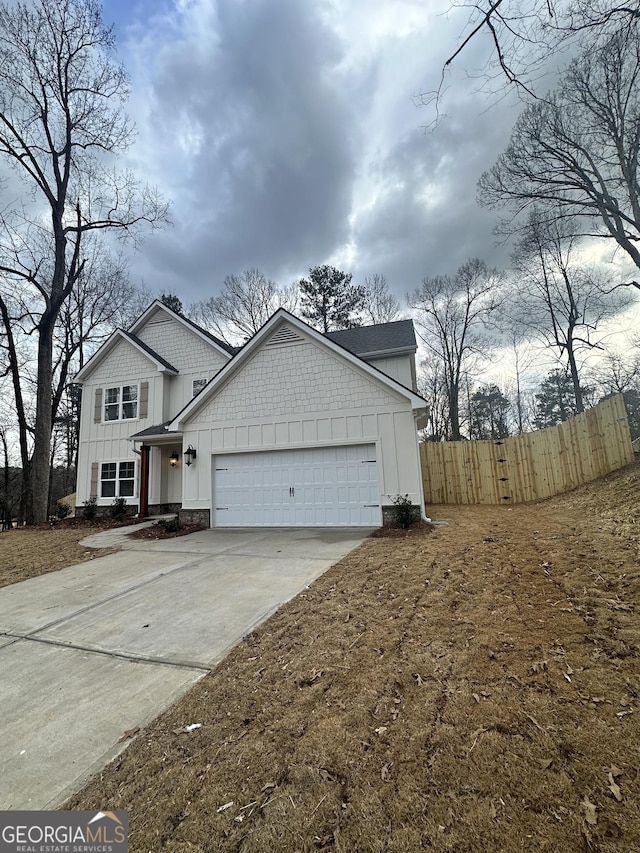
(90, 508)
(118, 509)
(63, 510)
(169, 525)
(403, 513)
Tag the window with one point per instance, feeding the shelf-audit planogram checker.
(121, 404)
(198, 385)
(117, 479)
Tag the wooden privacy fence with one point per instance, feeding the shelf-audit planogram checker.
(531, 466)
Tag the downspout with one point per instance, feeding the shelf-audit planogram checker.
(423, 515)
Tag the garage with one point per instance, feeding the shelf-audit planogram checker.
(335, 486)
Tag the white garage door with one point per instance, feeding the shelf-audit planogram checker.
(318, 487)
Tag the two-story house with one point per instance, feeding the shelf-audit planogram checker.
(294, 428)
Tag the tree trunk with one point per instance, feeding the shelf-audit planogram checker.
(575, 377)
(454, 411)
(41, 468)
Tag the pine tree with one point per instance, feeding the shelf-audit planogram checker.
(328, 299)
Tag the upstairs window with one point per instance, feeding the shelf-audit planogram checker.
(198, 385)
(117, 479)
(121, 403)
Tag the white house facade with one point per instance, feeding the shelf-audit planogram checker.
(296, 428)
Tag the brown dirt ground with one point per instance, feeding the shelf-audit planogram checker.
(475, 688)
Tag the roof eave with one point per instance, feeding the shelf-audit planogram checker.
(254, 343)
(385, 353)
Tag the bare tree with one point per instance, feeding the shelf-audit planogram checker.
(61, 118)
(523, 36)
(561, 302)
(575, 154)
(454, 315)
(433, 387)
(244, 305)
(380, 306)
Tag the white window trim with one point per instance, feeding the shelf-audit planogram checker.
(121, 403)
(107, 501)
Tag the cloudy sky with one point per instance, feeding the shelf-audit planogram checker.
(286, 134)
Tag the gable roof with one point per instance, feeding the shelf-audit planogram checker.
(220, 345)
(162, 365)
(131, 336)
(294, 327)
(382, 339)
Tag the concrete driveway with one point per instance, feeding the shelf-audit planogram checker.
(96, 649)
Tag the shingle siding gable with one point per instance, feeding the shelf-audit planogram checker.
(124, 362)
(180, 346)
(295, 379)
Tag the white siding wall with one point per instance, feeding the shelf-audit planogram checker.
(184, 350)
(291, 379)
(398, 368)
(297, 396)
(109, 442)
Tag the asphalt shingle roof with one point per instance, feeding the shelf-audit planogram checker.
(153, 431)
(150, 351)
(381, 338)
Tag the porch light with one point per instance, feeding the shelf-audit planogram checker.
(189, 455)
(173, 459)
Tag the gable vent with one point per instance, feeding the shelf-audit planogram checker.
(284, 335)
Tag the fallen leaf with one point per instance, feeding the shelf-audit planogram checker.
(327, 775)
(493, 811)
(589, 812)
(545, 763)
(535, 722)
(614, 788)
(615, 771)
(384, 773)
(130, 733)
(381, 730)
(476, 697)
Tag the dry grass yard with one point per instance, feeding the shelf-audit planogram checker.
(471, 688)
(27, 552)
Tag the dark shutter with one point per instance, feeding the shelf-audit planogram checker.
(144, 400)
(97, 408)
(93, 491)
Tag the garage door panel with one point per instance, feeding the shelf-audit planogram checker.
(322, 486)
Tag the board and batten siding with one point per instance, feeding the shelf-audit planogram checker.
(99, 442)
(397, 367)
(302, 395)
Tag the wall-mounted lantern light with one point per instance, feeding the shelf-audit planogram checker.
(173, 459)
(189, 455)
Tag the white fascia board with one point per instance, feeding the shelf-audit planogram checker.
(281, 315)
(105, 349)
(389, 353)
(157, 303)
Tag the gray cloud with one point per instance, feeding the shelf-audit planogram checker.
(286, 136)
(264, 176)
